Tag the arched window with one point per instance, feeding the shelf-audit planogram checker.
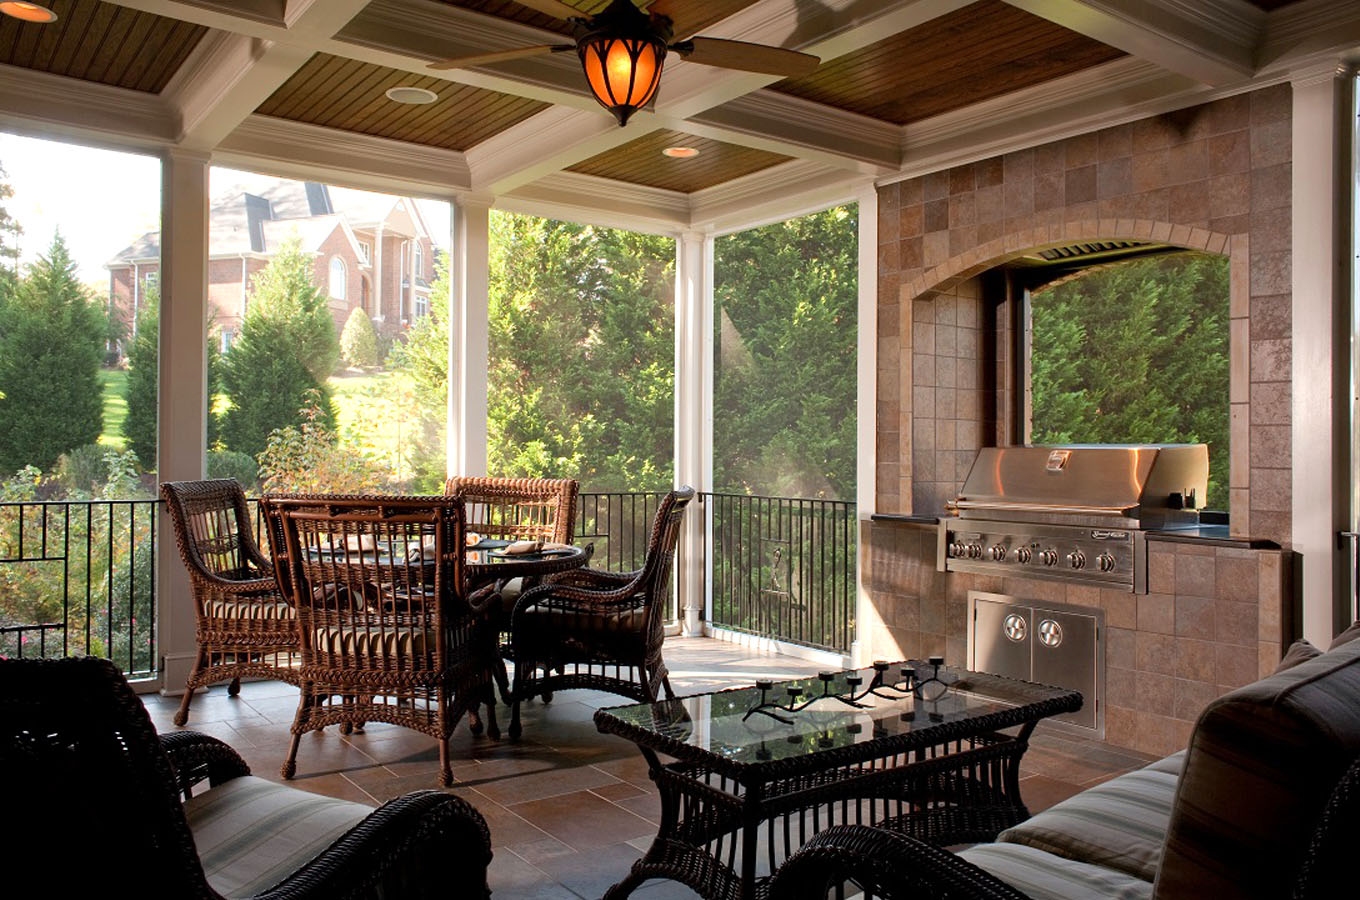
(337, 280)
(420, 258)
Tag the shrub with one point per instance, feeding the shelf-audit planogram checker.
(51, 345)
(284, 294)
(84, 469)
(231, 464)
(359, 342)
(308, 458)
(140, 391)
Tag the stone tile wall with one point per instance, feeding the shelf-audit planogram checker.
(1214, 178)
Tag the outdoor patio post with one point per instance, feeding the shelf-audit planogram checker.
(182, 406)
(694, 416)
(866, 412)
(468, 336)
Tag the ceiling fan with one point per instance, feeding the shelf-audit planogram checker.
(623, 49)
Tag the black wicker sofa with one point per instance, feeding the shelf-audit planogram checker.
(1263, 804)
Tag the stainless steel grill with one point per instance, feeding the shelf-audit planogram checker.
(1076, 513)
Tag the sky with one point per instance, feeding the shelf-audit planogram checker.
(103, 200)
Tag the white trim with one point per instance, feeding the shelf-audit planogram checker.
(55, 106)
(601, 201)
(866, 403)
(828, 658)
(779, 192)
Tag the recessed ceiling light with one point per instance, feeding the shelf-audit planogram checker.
(29, 12)
(680, 152)
(411, 95)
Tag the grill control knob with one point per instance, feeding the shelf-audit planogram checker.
(975, 551)
(998, 553)
(1022, 555)
(1076, 559)
(1106, 561)
(957, 550)
(1048, 557)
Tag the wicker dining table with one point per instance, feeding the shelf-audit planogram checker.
(742, 789)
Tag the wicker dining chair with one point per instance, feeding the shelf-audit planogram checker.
(515, 509)
(387, 632)
(100, 806)
(245, 626)
(599, 630)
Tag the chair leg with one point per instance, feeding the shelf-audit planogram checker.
(289, 768)
(234, 688)
(493, 730)
(445, 770)
(515, 695)
(502, 680)
(200, 663)
(666, 683)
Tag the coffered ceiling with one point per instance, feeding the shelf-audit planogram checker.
(905, 86)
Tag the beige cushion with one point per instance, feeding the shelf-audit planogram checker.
(354, 640)
(1120, 824)
(255, 610)
(251, 833)
(1262, 763)
(1044, 876)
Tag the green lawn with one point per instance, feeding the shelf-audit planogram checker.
(111, 383)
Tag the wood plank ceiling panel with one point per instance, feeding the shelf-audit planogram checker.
(1268, 5)
(101, 42)
(697, 14)
(640, 162)
(981, 51)
(351, 96)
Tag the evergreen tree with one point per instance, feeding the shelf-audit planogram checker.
(141, 390)
(285, 293)
(10, 230)
(1136, 352)
(286, 348)
(784, 378)
(359, 342)
(51, 345)
(141, 393)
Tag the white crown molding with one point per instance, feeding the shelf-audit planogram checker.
(1308, 28)
(778, 192)
(315, 153)
(768, 120)
(601, 201)
(1214, 50)
(43, 104)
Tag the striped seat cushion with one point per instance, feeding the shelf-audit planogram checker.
(1120, 824)
(252, 833)
(357, 640)
(249, 609)
(1044, 876)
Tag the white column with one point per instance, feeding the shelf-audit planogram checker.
(694, 415)
(866, 405)
(182, 406)
(470, 263)
(1321, 325)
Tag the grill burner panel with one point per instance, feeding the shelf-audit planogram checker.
(1102, 557)
(1074, 513)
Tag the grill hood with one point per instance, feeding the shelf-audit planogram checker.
(1128, 485)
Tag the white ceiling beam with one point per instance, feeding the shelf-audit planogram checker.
(1211, 41)
(315, 153)
(1311, 28)
(229, 75)
(45, 105)
(600, 201)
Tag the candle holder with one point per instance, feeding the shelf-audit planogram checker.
(931, 687)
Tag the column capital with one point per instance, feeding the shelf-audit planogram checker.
(474, 200)
(694, 237)
(185, 155)
(1322, 70)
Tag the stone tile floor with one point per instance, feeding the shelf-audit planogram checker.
(569, 809)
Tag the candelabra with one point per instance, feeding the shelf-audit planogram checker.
(914, 682)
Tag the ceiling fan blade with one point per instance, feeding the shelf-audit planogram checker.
(482, 59)
(555, 8)
(682, 14)
(746, 57)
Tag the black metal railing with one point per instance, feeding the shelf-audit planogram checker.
(784, 568)
(79, 577)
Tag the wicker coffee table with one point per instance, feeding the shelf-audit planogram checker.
(740, 793)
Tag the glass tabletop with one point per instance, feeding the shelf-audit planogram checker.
(723, 724)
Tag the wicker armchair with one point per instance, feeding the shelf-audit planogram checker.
(515, 509)
(100, 809)
(387, 633)
(599, 630)
(245, 626)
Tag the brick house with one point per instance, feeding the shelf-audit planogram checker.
(372, 251)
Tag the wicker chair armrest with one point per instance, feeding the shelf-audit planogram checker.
(196, 756)
(420, 846)
(603, 600)
(886, 865)
(593, 578)
(241, 587)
